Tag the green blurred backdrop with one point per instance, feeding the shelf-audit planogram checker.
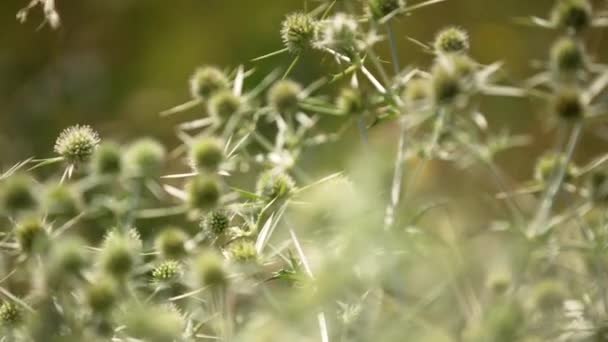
(115, 64)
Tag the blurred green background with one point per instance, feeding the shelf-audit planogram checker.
(114, 64)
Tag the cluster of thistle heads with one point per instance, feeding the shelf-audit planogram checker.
(228, 237)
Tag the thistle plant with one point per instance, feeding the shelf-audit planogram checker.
(230, 234)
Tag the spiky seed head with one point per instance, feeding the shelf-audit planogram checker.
(61, 199)
(206, 81)
(416, 92)
(272, 184)
(145, 158)
(30, 233)
(381, 8)
(549, 295)
(598, 186)
(152, 323)
(243, 250)
(209, 270)
(215, 222)
(567, 56)
(446, 85)
(340, 33)
(284, 96)
(224, 103)
(107, 160)
(298, 32)
(171, 243)
(452, 40)
(76, 144)
(574, 15)
(17, 193)
(549, 163)
(203, 192)
(206, 154)
(568, 105)
(120, 253)
(69, 256)
(499, 282)
(167, 271)
(102, 294)
(10, 314)
(350, 101)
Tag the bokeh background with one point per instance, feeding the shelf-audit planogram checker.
(114, 64)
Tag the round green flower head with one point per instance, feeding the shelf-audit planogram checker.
(206, 154)
(224, 103)
(284, 96)
(206, 81)
(575, 15)
(171, 243)
(167, 271)
(69, 256)
(203, 192)
(152, 323)
(10, 314)
(17, 193)
(416, 92)
(120, 253)
(381, 8)
(209, 270)
(76, 144)
(340, 33)
(271, 185)
(102, 294)
(298, 32)
(107, 160)
(215, 222)
(548, 164)
(61, 199)
(568, 105)
(567, 56)
(350, 101)
(145, 158)
(452, 40)
(446, 85)
(243, 250)
(30, 233)
(549, 295)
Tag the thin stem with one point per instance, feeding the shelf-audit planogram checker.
(546, 205)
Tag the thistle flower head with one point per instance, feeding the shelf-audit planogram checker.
(203, 192)
(568, 105)
(298, 32)
(452, 76)
(574, 15)
(30, 233)
(61, 199)
(243, 250)
(381, 8)
(107, 160)
(171, 243)
(272, 184)
(145, 158)
(350, 101)
(567, 56)
(17, 193)
(76, 144)
(284, 96)
(549, 295)
(416, 92)
(206, 81)
(224, 103)
(206, 154)
(452, 40)
(167, 271)
(68, 256)
(120, 253)
(209, 270)
(215, 222)
(340, 33)
(10, 314)
(102, 294)
(153, 323)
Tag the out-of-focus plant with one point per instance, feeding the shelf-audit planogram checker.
(147, 242)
